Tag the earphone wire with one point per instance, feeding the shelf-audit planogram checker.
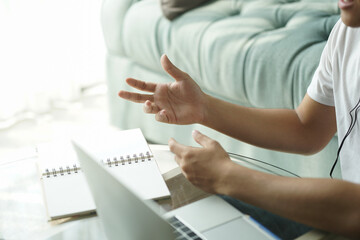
(257, 160)
(352, 124)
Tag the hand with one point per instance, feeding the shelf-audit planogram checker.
(179, 102)
(206, 167)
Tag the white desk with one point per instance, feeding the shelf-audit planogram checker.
(22, 211)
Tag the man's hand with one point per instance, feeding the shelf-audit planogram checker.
(206, 167)
(179, 102)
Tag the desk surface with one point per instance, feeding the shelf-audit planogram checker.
(22, 211)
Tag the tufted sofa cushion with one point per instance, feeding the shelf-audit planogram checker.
(268, 49)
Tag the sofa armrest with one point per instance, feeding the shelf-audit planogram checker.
(112, 16)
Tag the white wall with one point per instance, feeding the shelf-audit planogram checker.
(49, 49)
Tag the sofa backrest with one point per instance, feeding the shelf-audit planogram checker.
(258, 53)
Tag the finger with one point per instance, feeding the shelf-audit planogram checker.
(171, 69)
(162, 116)
(178, 160)
(202, 139)
(176, 148)
(141, 85)
(150, 107)
(136, 97)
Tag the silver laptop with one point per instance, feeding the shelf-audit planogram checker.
(124, 215)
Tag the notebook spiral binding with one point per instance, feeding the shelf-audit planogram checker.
(128, 159)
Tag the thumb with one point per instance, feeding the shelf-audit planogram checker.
(162, 116)
(202, 139)
(171, 69)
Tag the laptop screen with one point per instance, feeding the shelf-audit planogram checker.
(123, 214)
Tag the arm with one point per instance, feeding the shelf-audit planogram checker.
(327, 204)
(305, 130)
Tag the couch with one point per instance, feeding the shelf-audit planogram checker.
(257, 53)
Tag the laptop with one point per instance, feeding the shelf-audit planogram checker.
(124, 215)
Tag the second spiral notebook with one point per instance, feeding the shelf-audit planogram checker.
(126, 153)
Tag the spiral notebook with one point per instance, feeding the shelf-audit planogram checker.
(126, 153)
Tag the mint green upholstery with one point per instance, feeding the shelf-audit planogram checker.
(254, 53)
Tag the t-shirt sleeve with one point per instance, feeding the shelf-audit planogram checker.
(321, 86)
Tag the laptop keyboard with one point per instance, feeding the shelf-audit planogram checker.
(181, 231)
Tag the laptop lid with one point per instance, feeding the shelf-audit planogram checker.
(123, 214)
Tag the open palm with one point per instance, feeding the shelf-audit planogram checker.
(179, 102)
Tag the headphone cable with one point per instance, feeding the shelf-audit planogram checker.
(257, 160)
(352, 124)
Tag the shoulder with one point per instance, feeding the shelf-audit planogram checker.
(342, 36)
(336, 34)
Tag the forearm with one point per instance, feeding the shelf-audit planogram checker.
(327, 204)
(276, 129)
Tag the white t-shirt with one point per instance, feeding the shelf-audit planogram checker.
(336, 82)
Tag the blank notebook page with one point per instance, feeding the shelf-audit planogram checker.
(142, 176)
(65, 193)
(68, 196)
